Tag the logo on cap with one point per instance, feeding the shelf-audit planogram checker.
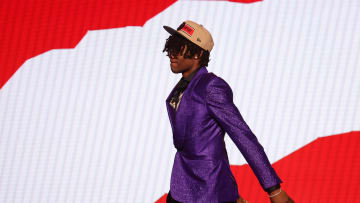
(188, 29)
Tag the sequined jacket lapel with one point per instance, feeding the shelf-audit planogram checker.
(179, 118)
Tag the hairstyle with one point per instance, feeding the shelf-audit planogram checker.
(176, 43)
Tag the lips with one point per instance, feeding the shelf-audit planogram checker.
(173, 61)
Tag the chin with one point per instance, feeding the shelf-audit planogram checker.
(174, 70)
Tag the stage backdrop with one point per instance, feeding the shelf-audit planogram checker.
(84, 83)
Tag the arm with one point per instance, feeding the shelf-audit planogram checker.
(219, 100)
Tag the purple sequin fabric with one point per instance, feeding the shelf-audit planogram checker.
(201, 170)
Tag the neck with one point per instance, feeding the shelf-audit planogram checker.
(192, 69)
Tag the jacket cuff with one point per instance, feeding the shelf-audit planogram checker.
(270, 189)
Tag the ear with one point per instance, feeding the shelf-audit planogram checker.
(197, 57)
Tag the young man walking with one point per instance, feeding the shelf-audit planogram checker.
(201, 111)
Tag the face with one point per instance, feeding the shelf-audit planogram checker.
(179, 64)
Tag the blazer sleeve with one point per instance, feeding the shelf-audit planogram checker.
(219, 102)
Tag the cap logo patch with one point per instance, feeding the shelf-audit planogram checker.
(188, 30)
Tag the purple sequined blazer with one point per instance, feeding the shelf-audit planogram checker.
(201, 170)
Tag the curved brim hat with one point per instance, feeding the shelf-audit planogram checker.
(196, 33)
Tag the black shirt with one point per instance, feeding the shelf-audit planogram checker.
(180, 88)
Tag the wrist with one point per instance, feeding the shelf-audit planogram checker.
(275, 193)
(271, 190)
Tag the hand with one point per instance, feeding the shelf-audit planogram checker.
(241, 200)
(282, 197)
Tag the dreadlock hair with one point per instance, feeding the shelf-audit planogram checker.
(176, 43)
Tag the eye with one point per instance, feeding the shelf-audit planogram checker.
(174, 52)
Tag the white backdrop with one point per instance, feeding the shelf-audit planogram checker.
(89, 124)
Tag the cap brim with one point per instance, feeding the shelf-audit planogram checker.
(170, 30)
(174, 32)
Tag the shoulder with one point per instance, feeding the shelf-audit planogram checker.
(211, 83)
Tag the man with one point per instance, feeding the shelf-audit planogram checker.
(201, 110)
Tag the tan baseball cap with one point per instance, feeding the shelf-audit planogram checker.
(194, 32)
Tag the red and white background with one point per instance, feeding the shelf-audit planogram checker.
(83, 88)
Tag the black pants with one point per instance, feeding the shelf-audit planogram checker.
(169, 199)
